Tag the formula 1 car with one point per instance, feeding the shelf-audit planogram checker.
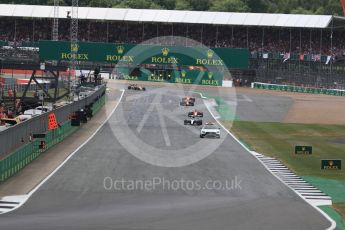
(210, 130)
(193, 121)
(195, 113)
(187, 101)
(136, 87)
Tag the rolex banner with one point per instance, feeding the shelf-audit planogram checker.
(198, 77)
(331, 164)
(129, 54)
(181, 76)
(303, 150)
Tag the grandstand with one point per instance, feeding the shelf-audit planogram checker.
(311, 45)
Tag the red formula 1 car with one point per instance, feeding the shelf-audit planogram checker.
(136, 87)
(187, 101)
(195, 113)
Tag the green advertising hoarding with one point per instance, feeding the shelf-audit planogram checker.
(199, 77)
(331, 164)
(145, 54)
(303, 150)
(3, 43)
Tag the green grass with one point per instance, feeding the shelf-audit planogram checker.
(278, 140)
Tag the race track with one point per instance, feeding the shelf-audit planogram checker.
(149, 125)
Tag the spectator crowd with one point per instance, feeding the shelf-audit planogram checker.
(5, 113)
(256, 39)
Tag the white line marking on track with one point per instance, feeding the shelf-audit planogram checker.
(163, 126)
(148, 113)
(24, 198)
(262, 159)
(246, 98)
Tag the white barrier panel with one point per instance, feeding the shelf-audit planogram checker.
(227, 83)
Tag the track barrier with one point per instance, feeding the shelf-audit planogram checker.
(298, 89)
(39, 144)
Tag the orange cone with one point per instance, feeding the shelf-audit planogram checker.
(52, 123)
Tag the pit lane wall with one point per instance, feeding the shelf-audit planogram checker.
(299, 89)
(18, 135)
(24, 155)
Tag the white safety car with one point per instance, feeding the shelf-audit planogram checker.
(210, 130)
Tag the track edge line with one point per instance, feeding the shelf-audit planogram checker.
(27, 196)
(333, 223)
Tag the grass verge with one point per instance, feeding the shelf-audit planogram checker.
(279, 139)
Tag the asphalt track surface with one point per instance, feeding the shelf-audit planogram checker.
(262, 108)
(76, 198)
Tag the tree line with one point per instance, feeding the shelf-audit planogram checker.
(328, 7)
